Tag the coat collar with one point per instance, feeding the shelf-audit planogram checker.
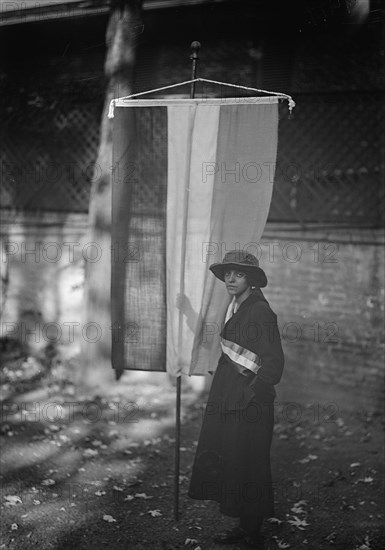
(255, 296)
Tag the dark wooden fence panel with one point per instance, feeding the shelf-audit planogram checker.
(330, 161)
(49, 146)
(329, 166)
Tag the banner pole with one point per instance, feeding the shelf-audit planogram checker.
(195, 47)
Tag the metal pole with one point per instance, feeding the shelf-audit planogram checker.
(195, 47)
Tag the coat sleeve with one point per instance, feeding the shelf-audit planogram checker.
(267, 344)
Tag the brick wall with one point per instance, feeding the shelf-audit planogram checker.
(327, 288)
(42, 260)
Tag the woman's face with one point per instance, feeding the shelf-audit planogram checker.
(236, 282)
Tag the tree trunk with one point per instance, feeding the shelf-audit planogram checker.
(123, 30)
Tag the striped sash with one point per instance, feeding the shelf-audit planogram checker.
(244, 359)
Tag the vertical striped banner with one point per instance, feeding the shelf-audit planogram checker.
(192, 179)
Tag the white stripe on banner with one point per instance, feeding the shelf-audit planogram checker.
(243, 184)
(192, 142)
(241, 356)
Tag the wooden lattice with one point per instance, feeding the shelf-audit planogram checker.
(48, 153)
(329, 166)
(330, 161)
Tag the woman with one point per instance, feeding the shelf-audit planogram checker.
(232, 461)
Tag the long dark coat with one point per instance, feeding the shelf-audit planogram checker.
(232, 461)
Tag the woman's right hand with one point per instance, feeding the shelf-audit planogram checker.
(182, 302)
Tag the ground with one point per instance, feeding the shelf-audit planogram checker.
(91, 474)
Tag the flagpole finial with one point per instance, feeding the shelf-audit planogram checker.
(195, 47)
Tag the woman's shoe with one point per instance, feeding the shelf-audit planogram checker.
(229, 537)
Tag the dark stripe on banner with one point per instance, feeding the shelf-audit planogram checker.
(246, 141)
(139, 204)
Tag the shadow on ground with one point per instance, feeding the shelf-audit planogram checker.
(90, 474)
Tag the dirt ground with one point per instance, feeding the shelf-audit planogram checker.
(91, 474)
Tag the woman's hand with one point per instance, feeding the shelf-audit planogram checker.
(183, 303)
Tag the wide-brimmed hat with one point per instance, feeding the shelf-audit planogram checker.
(242, 261)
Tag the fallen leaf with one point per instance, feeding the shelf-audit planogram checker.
(366, 479)
(12, 500)
(365, 545)
(142, 495)
(109, 518)
(275, 520)
(48, 482)
(90, 452)
(297, 510)
(331, 537)
(308, 459)
(183, 478)
(300, 523)
(154, 513)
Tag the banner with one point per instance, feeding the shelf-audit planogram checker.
(192, 179)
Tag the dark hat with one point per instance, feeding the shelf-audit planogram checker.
(243, 261)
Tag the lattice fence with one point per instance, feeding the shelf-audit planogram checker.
(329, 166)
(330, 161)
(49, 147)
